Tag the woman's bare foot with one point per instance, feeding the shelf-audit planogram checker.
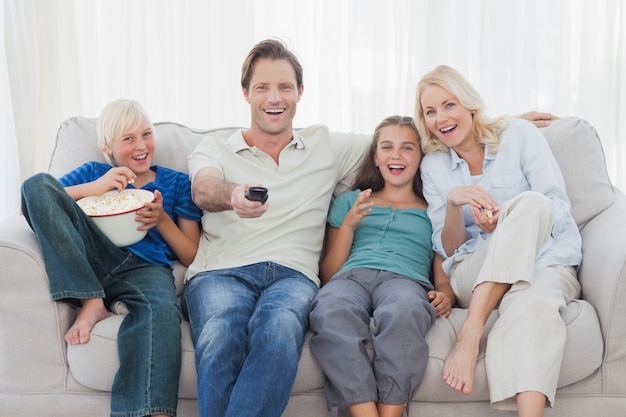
(460, 365)
(92, 311)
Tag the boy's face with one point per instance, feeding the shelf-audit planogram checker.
(135, 149)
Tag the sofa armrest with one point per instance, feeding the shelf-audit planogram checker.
(603, 278)
(29, 318)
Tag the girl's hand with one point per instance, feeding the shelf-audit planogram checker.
(151, 214)
(441, 302)
(359, 210)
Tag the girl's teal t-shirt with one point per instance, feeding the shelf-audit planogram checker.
(397, 240)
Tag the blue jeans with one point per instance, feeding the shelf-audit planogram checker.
(83, 263)
(248, 326)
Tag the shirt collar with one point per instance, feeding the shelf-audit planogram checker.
(456, 160)
(237, 143)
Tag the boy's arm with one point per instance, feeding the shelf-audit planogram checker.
(182, 238)
(115, 178)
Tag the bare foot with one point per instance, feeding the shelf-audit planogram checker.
(460, 365)
(91, 312)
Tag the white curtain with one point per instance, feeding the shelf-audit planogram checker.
(362, 60)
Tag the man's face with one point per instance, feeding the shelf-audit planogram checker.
(273, 95)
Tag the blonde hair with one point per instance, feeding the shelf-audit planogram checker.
(486, 129)
(116, 119)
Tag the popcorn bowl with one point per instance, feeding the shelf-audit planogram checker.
(114, 214)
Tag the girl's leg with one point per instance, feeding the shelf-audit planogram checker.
(402, 317)
(340, 320)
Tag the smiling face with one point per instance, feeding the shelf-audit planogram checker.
(273, 95)
(135, 148)
(446, 117)
(398, 155)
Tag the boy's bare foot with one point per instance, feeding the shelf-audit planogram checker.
(460, 365)
(92, 311)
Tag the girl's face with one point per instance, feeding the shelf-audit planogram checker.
(135, 149)
(446, 117)
(398, 155)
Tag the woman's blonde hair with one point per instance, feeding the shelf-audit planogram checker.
(116, 119)
(486, 129)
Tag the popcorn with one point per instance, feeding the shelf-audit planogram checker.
(487, 213)
(110, 203)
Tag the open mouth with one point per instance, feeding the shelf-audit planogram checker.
(447, 129)
(396, 169)
(274, 111)
(141, 157)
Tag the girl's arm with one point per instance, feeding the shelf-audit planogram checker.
(442, 298)
(339, 240)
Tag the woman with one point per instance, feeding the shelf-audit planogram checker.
(502, 221)
(377, 263)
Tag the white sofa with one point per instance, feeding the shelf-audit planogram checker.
(40, 375)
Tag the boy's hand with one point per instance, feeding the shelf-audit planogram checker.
(152, 213)
(441, 302)
(115, 178)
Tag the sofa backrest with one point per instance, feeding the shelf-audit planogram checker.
(574, 142)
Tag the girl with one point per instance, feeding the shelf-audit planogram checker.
(377, 263)
(500, 215)
(86, 268)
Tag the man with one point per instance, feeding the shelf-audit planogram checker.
(248, 290)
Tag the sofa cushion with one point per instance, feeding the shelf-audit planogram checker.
(578, 151)
(77, 143)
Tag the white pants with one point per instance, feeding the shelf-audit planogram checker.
(525, 345)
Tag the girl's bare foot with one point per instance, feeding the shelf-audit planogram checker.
(92, 311)
(460, 365)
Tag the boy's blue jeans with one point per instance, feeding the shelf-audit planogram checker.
(248, 326)
(83, 263)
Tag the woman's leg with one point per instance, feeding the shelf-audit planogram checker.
(507, 258)
(149, 345)
(525, 346)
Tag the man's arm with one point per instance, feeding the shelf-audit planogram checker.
(211, 193)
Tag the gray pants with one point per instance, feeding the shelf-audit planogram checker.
(340, 319)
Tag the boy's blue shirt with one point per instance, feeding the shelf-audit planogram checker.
(177, 203)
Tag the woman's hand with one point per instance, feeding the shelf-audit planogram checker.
(472, 195)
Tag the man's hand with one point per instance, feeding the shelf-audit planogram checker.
(537, 118)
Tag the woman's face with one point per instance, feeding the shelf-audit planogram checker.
(445, 116)
(398, 155)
